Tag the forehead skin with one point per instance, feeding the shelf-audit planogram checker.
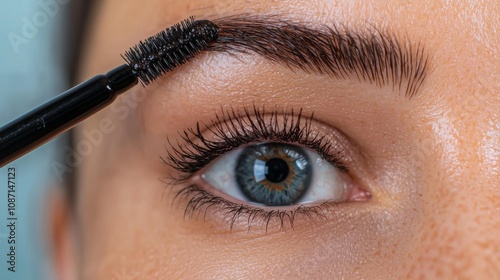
(443, 222)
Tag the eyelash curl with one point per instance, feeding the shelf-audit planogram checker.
(230, 130)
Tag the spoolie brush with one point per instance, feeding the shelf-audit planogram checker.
(147, 61)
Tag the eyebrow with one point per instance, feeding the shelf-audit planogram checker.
(370, 55)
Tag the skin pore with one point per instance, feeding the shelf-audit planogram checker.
(431, 163)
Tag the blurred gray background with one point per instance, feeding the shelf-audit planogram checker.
(39, 44)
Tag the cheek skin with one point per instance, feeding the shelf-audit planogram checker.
(147, 236)
(440, 219)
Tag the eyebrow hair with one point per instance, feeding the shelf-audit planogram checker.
(367, 55)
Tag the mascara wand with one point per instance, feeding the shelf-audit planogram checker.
(146, 62)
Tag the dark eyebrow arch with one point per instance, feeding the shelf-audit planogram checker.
(367, 55)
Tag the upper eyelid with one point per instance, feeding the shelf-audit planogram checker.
(191, 156)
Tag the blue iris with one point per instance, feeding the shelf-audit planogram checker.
(273, 174)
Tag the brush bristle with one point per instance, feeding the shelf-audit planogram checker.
(170, 48)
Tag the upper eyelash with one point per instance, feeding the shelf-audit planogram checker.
(235, 128)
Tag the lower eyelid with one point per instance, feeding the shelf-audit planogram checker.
(198, 204)
(352, 192)
(200, 200)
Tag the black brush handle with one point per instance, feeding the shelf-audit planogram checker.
(63, 112)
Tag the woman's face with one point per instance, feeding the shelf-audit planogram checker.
(419, 194)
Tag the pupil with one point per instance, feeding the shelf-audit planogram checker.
(276, 170)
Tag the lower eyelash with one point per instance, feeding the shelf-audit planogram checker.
(201, 201)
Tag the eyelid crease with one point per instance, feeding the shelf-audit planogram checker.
(233, 129)
(367, 55)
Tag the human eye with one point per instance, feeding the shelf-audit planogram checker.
(276, 174)
(259, 165)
